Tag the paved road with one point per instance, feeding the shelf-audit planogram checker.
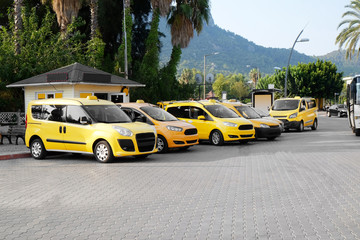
(300, 186)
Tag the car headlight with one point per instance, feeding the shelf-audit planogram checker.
(123, 131)
(294, 115)
(264, 126)
(173, 128)
(230, 124)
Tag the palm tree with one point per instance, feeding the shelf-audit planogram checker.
(185, 17)
(94, 17)
(17, 23)
(65, 11)
(350, 35)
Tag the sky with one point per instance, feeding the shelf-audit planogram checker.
(277, 23)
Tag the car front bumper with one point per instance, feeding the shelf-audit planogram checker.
(271, 132)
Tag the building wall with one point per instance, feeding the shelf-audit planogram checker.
(70, 91)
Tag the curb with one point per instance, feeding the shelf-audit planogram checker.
(14, 156)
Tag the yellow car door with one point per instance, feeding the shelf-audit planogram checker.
(51, 130)
(76, 131)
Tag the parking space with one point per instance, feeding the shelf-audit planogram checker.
(300, 186)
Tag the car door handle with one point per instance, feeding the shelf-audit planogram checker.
(64, 129)
(60, 129)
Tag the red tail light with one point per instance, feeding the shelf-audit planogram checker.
(25, 121)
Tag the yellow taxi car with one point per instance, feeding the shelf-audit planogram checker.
(264, 128)
(85, 125)
(296, 113)
(266, 115)
(214, 121)
(172, 133)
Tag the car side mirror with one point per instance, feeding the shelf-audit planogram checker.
(201, 117)
(84, 120)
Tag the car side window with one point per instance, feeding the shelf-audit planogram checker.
(311, 103)
(54, 113)
(303, 105)
(129, 112)
(74, 114)
(195, 112)
(179, 112)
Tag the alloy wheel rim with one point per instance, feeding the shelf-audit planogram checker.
(102, 152)
(36, 149)
(216, 138)
(160, 144)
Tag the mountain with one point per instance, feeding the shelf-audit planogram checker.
(239, 55)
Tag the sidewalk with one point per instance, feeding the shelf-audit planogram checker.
(13, 151)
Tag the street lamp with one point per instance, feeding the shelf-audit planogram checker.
(287, 68)
(215, 53)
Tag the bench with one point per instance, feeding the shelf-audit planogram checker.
(17, 131)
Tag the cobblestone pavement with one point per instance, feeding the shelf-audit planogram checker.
(301, 186)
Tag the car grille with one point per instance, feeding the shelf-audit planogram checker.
(274, 126)
(127, 145)
(191, 131)
(191, 141)
(246, 136)
(145, 141)
(246, 127)
(279, 116)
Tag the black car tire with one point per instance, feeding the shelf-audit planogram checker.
(315, 125)
(162, 145)
(216, 138)
(301, 126)
(37, 149)
(103, 152)
(357, 132)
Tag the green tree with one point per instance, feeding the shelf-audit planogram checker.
(264, 82)
(349, 36)
(319, 79)
(42, 50)
(239, 90)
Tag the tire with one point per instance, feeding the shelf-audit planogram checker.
(315, 124)
(162, 145)
(328, 114)
(357, 132)
(301, 126)
(103, 152)
(37, 149)
(216, 138)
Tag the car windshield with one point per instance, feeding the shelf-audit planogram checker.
(107, 113)
(247, 112)
(221, 111)
(260, 112)
(158, 114)
(284, 105)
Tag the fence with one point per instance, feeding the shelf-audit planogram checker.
(12, 118)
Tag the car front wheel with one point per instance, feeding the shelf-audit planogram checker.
(162, 145)
(103, 152)
(216, 138)
(301, 127)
